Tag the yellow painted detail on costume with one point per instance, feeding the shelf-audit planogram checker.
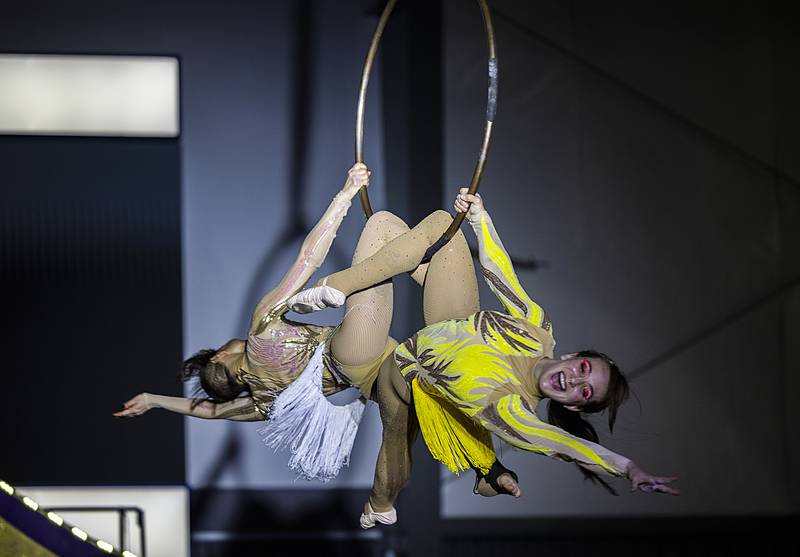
(452, 438)
(501, 259)
(511, 415)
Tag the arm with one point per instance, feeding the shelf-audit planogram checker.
(315, 246)
(511, 419)
(496, 265)
(241, 409)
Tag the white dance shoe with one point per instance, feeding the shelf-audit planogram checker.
(315, 299)
(370, 518)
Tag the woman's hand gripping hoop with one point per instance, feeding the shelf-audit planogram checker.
(491, 110)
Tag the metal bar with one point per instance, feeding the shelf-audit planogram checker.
(140, 520)
(362, 97)
(123, 531)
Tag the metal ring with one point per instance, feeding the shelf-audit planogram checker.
(491, 109)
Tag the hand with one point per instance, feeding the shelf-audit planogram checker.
(357, 177)
(648, 483)
(468, 202)
(136, 406)
(509, 485)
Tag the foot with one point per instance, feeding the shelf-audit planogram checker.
(509, 485)
(506, 485)
(370, 518)
(315, 299)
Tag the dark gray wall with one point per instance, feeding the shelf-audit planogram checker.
(90, 281)
(645, 156)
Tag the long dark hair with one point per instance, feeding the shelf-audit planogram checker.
(573, 422)
(214, 382)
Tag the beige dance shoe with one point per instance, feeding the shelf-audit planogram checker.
(370, 518)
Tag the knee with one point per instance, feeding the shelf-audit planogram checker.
(382, 219)
(385, 225)
(442, 216)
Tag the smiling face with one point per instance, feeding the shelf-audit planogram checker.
(574, 381)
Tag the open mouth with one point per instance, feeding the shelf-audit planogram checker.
(558, 381)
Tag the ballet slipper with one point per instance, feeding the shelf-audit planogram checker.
(370, 518)
(315, 299)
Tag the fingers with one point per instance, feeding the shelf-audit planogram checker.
(656, 486)
(359, 175)
(127, 413)
(464, 200)
(131, 408)
(667, 490)
(659, 488)
(664, 479)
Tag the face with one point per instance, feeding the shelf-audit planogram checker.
(574, 381)
(223, 373)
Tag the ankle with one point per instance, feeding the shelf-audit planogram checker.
(378, 507)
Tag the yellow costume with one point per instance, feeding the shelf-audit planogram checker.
(474, 375)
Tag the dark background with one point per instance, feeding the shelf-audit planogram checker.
(645, 160)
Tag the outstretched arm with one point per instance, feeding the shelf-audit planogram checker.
(498, 271)
(241, 409)
(511, 419)
(315, 247)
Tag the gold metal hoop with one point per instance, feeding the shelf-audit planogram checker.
(491, 109)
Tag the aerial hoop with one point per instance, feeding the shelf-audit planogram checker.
(491, 108)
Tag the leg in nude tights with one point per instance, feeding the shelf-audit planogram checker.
(362, 336)
(451, 291)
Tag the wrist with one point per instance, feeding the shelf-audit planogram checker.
(344, 196)
(476, 218)
(151, 401)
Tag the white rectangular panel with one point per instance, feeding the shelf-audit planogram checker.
(89, 95)
(166, 514)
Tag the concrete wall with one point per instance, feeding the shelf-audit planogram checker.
(644, 156)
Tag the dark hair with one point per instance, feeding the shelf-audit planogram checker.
(213, 379)
(573, 422)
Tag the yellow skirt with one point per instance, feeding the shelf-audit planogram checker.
(452, 437)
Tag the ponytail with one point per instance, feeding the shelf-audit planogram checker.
(574, 423)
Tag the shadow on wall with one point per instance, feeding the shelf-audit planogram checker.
(301, 121)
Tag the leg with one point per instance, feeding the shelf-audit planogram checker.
(362, 336)
(402, 255)
(400, 430)
(451, 288)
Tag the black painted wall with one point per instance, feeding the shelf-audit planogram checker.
(91, 296)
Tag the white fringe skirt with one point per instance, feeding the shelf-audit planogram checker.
(318, 434)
